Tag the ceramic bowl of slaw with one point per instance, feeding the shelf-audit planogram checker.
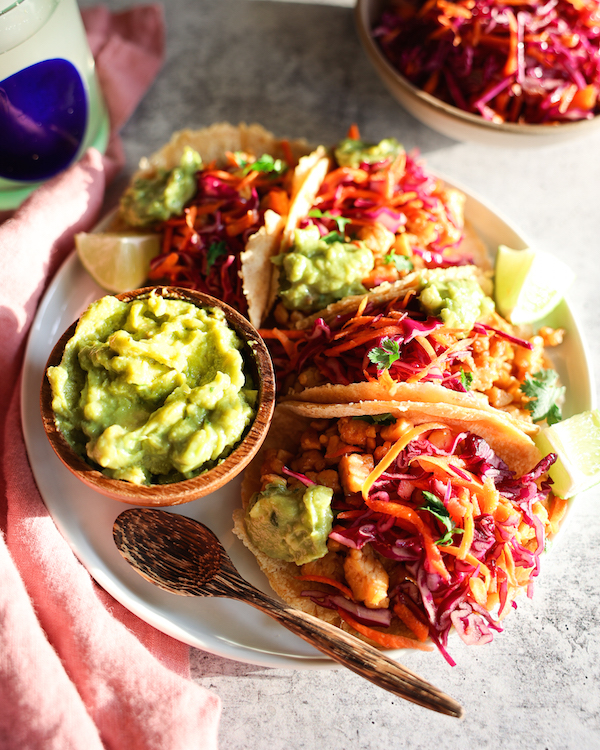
(560, 110)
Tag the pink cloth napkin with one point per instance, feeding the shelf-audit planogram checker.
(77, 670)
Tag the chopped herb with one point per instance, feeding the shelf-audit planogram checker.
(437, 508)
(544, 392)
(266, 163)
(402, 262)
(382, 419)
(214, 251)
(466, 378)
(385, 355)
(340, 221)
(332, 237)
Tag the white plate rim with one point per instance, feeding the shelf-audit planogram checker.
(182, 618)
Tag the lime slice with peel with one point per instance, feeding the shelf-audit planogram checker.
(529, 284)
(576, 441)
(117, 262)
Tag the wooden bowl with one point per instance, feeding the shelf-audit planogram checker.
(257, 363)
(447, 119)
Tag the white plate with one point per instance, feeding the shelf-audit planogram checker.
(85, 518)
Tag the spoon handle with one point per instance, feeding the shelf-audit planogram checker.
(353, 653)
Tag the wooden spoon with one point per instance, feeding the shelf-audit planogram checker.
(183, 556)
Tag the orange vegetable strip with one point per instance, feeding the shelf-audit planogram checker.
(411, 621)
(439, 360)
(361, 339)
(394, 452)
(353, 132)
(467, 537)
(406, 513)
(387, 640)
(426, 346)
(287, 153)
(472, 560)
(282, 337)
(222, 175)
(443, 463)
(240, 225)
(248, 179)
(489, 497)
(351, 513)
(511, 64)
(274, 333)
(330, 582)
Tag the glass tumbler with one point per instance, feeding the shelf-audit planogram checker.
(51, 106)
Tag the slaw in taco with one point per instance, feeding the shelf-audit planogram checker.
(399, 521)
(367, 214)
(434, 336)
(219, 198)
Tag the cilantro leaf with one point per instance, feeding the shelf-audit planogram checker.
(215, 250)
(466, 378)
(385, 355)
(543, 390)
(382, 419)
(340, 221)
(332, 237)
(402, 262)
(437, 509)
(265, 163)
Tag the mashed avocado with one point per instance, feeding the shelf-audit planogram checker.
(319, 271)
(152, 390)
(291, 525)
(460, 303)
(353, 153)
(163, 194)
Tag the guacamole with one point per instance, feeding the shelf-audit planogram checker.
(159, 196)
(318, 271)
(353, 153)
(153, 390)
(460, 303)
(291, 525)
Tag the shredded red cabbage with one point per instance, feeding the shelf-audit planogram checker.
(443, 604)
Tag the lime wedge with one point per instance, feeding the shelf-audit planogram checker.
(529, 284)
(118, 263)
(576, 441)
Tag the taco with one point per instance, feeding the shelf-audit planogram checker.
(366, 214)
(399, 521)
(433, 336)
(219, 198)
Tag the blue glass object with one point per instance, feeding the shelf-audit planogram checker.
(43, 117)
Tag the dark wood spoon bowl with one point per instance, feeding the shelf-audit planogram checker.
(182, 556)
(259, 366)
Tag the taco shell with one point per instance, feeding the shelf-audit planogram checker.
(291, 420)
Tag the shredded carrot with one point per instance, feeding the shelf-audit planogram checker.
(353, 132)
(406, 513)
(237, 226)
(394, 452)
(330, 582)
(419, 628)
(472, 560)
(387, 640)
(467, 537)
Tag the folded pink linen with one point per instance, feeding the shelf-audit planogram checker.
(77, 670)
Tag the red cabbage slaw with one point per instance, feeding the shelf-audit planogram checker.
(535, 62)
(340, 351)
(202, 248)
(399, 195)
(499, 526)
